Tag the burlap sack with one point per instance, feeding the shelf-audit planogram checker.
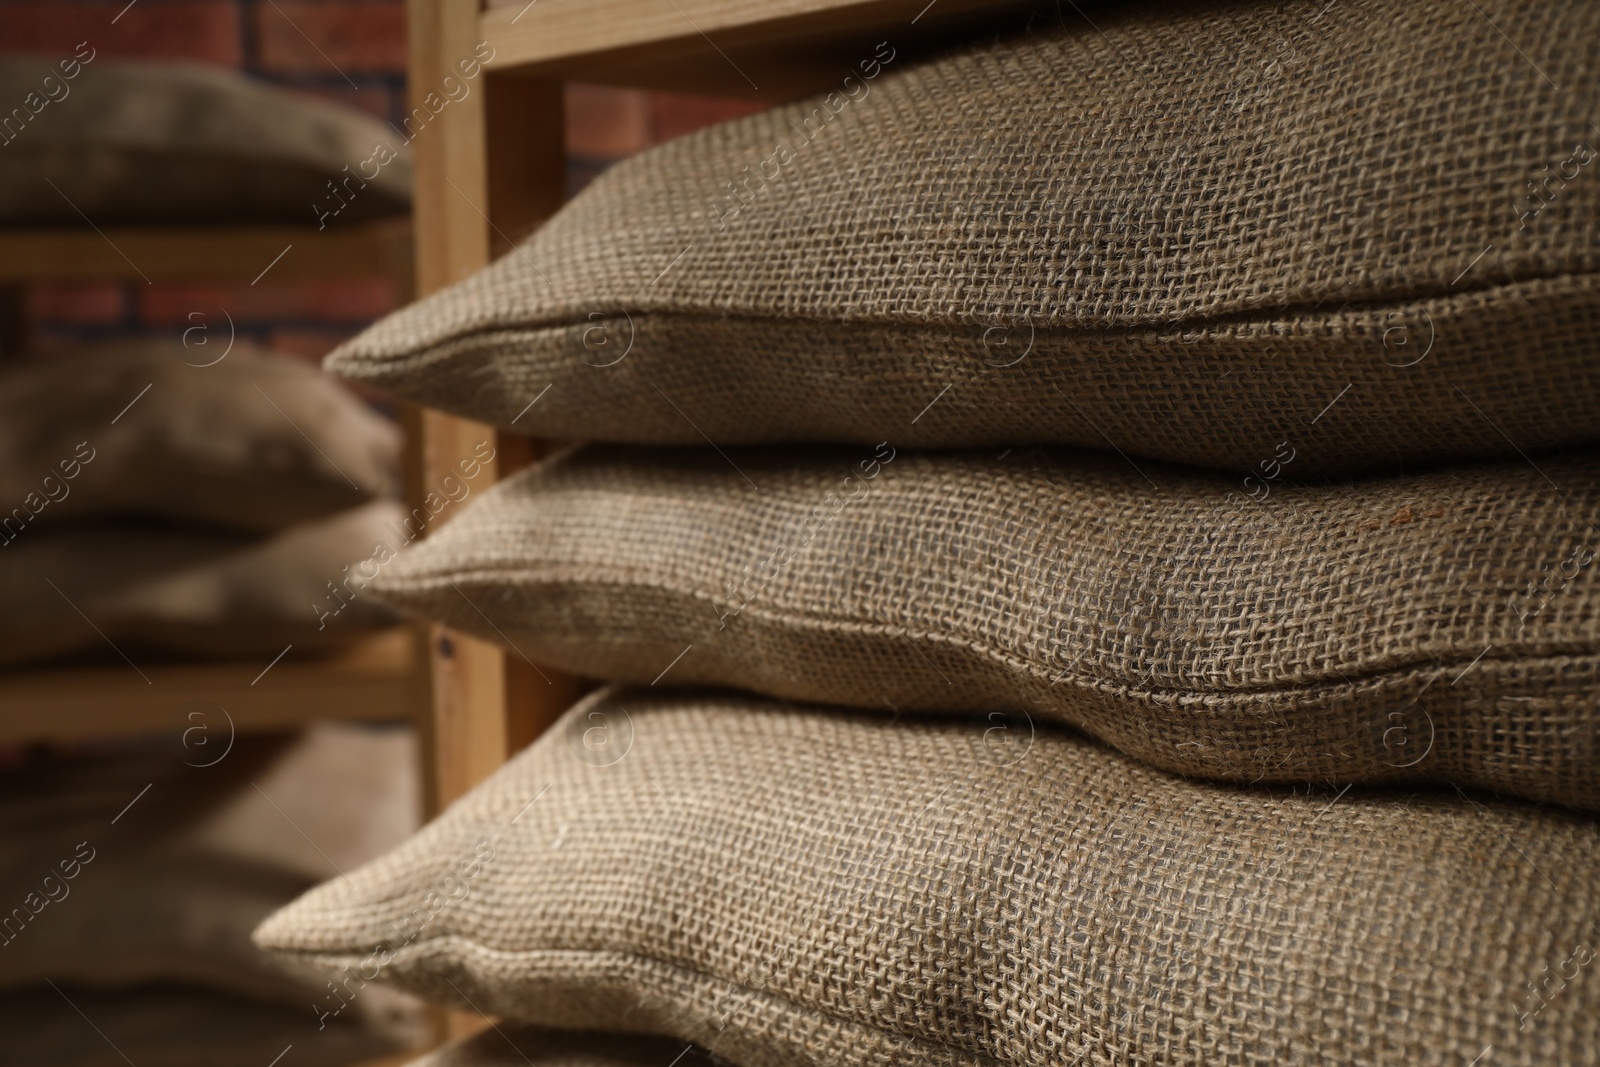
(90, 902)
(1181, 230)
(158, 590)
(787, 886)
(533, 1046)
(183, 144)
(128, 919)
(1443, 627)
(248, 440)
(355, 788)
(158, 895)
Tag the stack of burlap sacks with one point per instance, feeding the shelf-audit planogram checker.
(1138, 485)
(142, 925)
(200, 497)
(170, 502)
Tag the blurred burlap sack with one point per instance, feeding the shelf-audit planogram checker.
(139, 867)
(129, 143)
(1181, 230)
(247, 440)
(784, 885)
(195, 592)
(1442, 627)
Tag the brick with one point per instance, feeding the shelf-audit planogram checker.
(675, 114)
(344, 301)
(352, 36)
(205, 31)
(606, 123)
(91, 304)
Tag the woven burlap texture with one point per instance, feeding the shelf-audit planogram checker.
(1180, 232)
(1368, 631)
(788, 886)
(532, 1046)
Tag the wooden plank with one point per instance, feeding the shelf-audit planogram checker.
(772, 50)
(527, 172)
(422, 676)
(223, 254)
(464, 736)
(448, 151)
(373, 680)
(465, 740)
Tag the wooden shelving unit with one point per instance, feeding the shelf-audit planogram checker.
(773, 50)
(374, 680)
(198, 253)
(386, 676)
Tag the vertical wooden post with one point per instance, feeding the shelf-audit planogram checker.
(489, 167)
(452, 240)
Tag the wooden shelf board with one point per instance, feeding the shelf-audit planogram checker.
(204, 253)
(773, 50)
(377, 679)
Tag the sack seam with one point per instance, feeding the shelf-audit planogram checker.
(1285, 319)
(1353, 683)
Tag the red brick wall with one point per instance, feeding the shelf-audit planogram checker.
(352, 52)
